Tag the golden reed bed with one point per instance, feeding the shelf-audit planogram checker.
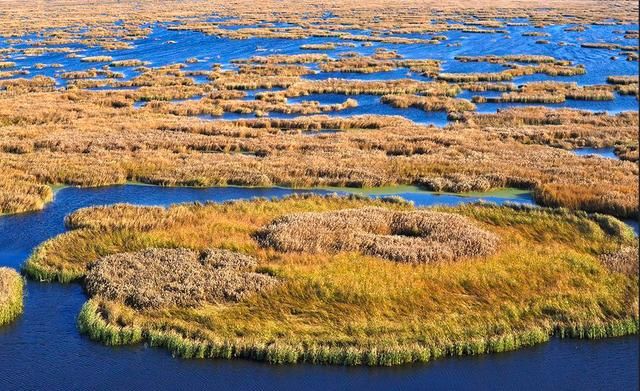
(75, 136)
(552, 272)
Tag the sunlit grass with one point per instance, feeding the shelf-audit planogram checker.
(348, 308)
(11, 295)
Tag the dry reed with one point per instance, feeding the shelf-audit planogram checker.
(11, 295)
(156, 278)
(412, 237)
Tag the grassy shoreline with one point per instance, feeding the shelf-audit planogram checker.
(91, 323)
(347, 308)
(11, 295)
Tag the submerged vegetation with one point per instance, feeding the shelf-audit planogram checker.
(548, 276)
(11, 295)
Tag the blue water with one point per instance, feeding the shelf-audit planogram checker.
(370, 104)
(601, 152)
(210, 50)
(43, 348)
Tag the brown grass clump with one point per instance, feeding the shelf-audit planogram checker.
(557, 68)
(19, 192)
(385, 54)
(535, 34)
(600, 45)
(525, 58)
(628, 89)
(381, 61)
(319, 122)
(410, 237)
(91, 73)
(625, 85)
(251, 82)
(273, 70)
(127, 63)
(429, 68)
(97, 59)
(551, 92)
(156, 278)
(285, 59)
(482, 87)
(356, 87)
(22, 86)
(471, 77)
(429, 103)
(318, 46)
(260, 107)
(11, 295)
(623, 79)
(624, 260)
(358, 64)
(460, 183)
(13, 73)
(121, 216)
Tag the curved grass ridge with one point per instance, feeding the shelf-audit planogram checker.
(11, 295)
(91, 323)
(35, 269)
(414, 237)
(38, 267)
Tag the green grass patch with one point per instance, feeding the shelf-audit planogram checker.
(347, 308)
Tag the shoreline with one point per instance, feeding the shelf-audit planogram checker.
(90, 323)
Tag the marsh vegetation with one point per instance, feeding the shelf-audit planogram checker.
(84, 125)
(414, 237)
(185, 93)
(348, 305)
(11, 295)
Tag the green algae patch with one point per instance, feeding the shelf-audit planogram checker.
(551, 274)
(503, 192)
